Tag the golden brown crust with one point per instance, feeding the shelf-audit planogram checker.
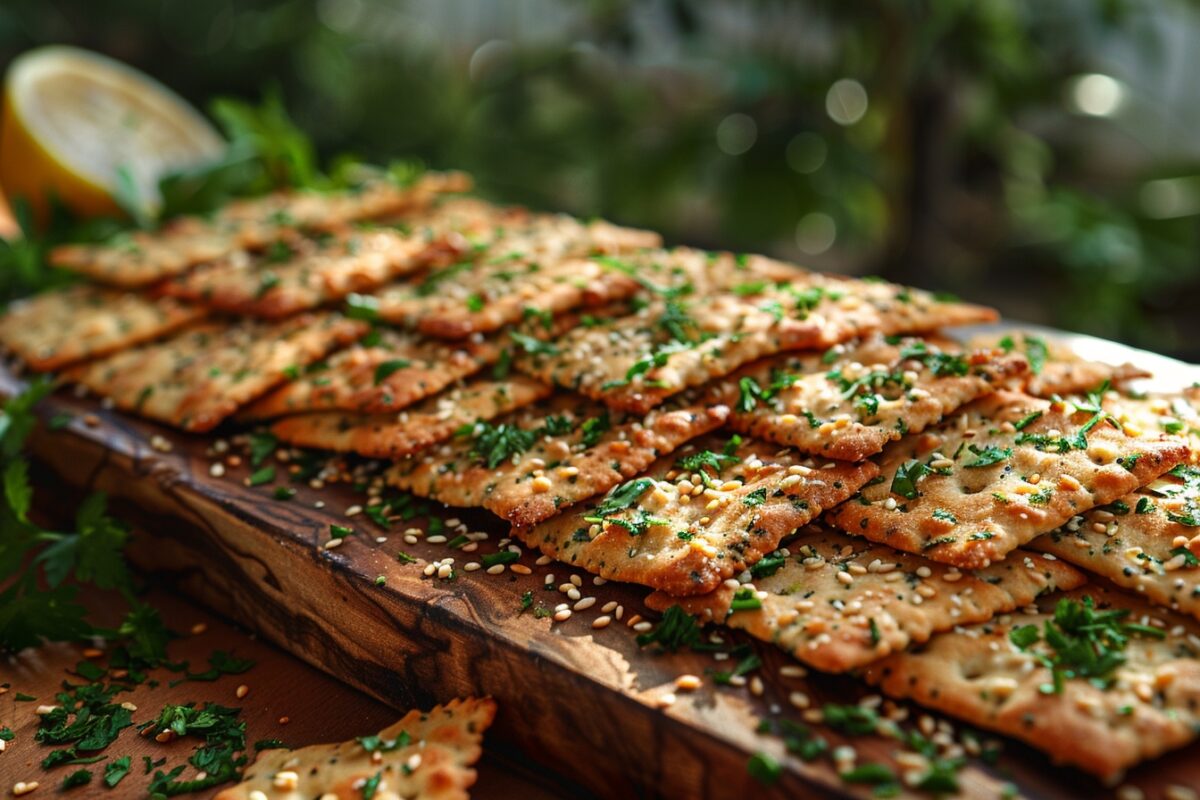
(202, 374)
(837, 602)
(142, 258)
(404, 433)
(391, 371)
(634, 362)
(432, 762)
(850, 406)
(979, 676)
(1056, 369)
(991, 488)
(306, 273)
(61, 327)
(527, 266)
(747, 507)
(1146, 541)
(575, 450)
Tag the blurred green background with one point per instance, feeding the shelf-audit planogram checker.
(1039, 156)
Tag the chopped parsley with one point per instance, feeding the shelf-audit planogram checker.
(764, 769)
(1082, 642)
(388, 368)
(533, 346)
(987, 456)
(676, 629)
(501, 557)
(904, 483)
(744, 599)
(756, 497)
(495, 444)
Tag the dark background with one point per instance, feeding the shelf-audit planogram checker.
(1040, 156)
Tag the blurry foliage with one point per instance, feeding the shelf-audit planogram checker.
(711, 121)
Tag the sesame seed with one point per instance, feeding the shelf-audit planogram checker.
(543, 561)
(585, 604)
(445, 571)
(471, 566)
(242, 691)
(520, 569)
(216, 469)
(541, 484)
(128, 706)
(792, 671)
(799, 700)
(44, 710)
(286, 780)
(495, 569)
(23, 787)
(642, 627)
(562, 615)
(332, 543)
(256, 795)
(438, 539)
(284, 720)
(688, 683)
(573, 593)
(665, 700)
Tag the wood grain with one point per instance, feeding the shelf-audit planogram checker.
(580, 701)
(318, 708)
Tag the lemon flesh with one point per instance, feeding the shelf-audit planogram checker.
(83, 127)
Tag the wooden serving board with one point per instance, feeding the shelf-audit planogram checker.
(582, 702)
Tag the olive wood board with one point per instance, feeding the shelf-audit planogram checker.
(581, 702)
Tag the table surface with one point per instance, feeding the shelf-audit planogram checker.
(317, 707)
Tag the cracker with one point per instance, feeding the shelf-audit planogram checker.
(387, 371)
(850, 403)
(739, 505)
(202, 374)
(1056, 369)
(531, 266)
(317, 210)
(975, 487)
(527, 466)
(58, 328)
(310, 272)
(634, 362)
(979, 675)
(837, 602)
(1148, 541)
(141, 258)
(396, 435)
(1175, 414)
(847, 308)
(424, 756)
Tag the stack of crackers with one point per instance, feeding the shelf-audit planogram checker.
(996, 529)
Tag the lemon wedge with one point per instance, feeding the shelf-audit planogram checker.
(87, 129)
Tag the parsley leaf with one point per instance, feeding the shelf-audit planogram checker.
(904, 483)
(987, 456)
